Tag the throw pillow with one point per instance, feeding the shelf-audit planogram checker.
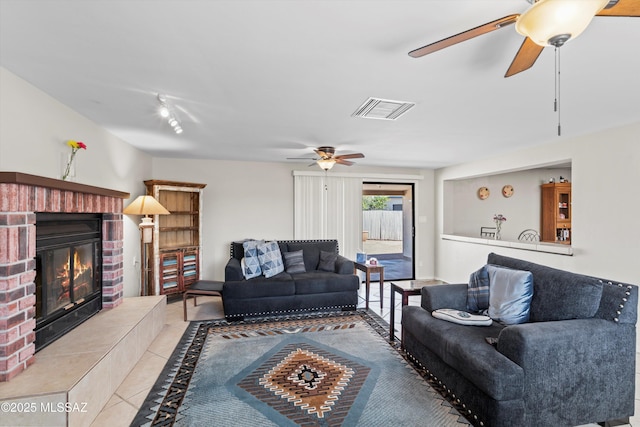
(557, 294)
(478, 291)
(327, 261)
(250, 263)
(510, 293)
(294, 262)
(270, 259)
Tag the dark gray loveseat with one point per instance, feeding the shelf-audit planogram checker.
(573, 363)
(289, 293)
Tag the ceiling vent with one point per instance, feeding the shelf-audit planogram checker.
(384, 109)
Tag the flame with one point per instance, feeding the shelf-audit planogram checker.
(82, 278)
(78, 267)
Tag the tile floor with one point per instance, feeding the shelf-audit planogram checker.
(125, 402)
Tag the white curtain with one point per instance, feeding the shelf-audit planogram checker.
(329, 207)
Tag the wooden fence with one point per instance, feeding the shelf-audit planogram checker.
(382, 225)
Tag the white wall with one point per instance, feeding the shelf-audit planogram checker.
(606, 206)
(33, 131)
(468, 213)
(255, 200)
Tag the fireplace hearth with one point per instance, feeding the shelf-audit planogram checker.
(68, 273)
(24, 197)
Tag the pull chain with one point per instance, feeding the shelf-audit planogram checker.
(556, 102)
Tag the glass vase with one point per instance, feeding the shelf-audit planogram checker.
(67, 167)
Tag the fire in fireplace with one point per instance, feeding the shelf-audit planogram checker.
(68, 279)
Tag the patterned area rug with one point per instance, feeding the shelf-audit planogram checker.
(331, 369)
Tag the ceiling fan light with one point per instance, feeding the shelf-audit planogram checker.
(326, 164)
(548, 19)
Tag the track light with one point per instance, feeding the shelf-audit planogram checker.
(166, 112)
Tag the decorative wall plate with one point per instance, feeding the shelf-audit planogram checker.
(483, 193)
(507, 191)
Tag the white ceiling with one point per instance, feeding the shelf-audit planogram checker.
(267, 80)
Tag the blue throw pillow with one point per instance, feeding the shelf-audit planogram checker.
(478, 291)
(510, 293)
(250, 263)
(270, 259)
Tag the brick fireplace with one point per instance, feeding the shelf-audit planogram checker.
(21, 197)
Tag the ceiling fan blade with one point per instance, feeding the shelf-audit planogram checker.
(343, 162)
(350, 156)
(466, 35)
(622, 8)
(300, 158)
(525, 58)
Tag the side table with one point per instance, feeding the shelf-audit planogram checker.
(406, 288)
(368, 269)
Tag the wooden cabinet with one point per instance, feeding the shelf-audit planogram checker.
(556, 213)
(176, 237)
(178, 269)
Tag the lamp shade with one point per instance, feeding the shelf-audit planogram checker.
(145, 205)
(326, 164)
(547, 19)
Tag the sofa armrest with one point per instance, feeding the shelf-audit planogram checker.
(344, 265)
(568, 360)
(233, 271)
(435, 297)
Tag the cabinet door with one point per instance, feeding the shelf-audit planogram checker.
(190, 262)
(170, 272)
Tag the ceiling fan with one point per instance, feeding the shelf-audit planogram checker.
(545, 23)
(328, 158)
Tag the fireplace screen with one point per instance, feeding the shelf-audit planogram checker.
(68, 273)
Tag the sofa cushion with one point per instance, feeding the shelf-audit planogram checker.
(294, 262)
(312, 251)
(316, 282)
(270, 259)
(327, 261)
(478, 290)
(465, 349)
(279, 285)
(250, 262)
(510, 293)
(557, 294)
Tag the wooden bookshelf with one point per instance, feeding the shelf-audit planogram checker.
(176, 244)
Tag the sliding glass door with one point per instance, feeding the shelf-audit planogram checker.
(388, 227)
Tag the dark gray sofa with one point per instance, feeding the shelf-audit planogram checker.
(289, 293)
(573, 363)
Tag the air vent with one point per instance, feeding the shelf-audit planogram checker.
(384, 109)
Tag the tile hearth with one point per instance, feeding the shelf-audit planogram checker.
(74, 377)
